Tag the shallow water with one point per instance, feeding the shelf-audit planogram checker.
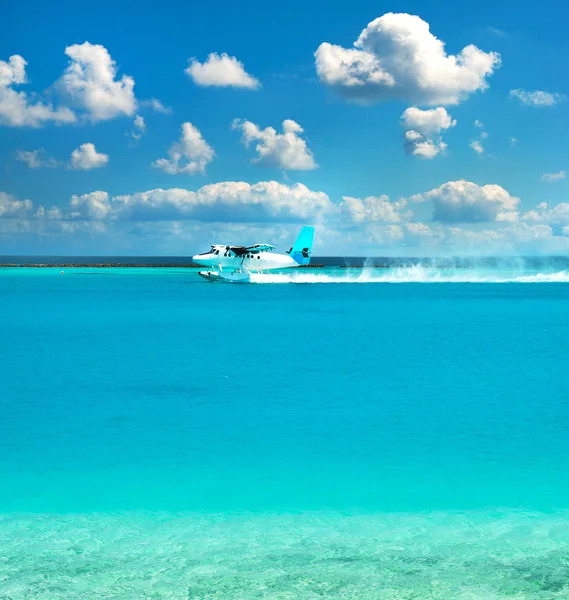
(433, 556)
(164, 437)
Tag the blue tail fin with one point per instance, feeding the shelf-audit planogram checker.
(302, 248)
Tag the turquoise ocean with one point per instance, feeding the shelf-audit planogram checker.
(376, 434)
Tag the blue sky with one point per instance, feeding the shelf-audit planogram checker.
(391, 147)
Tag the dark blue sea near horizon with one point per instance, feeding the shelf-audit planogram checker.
(376, 434)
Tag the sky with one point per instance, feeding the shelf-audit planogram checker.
(396, 129)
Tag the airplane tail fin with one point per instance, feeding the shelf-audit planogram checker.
(302, 248)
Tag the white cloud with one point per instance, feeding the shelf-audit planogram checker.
(552, 177)
(372, 237)
(90, 81)
(397, 57)
(477, 146)
(514, 237)
(233, 211)
(422, 148)
(424, 127)
(285, 150)
(190, 155)
(427, 122)
(16, 108)
(42, 229)
(222, 71)
(556, 216)
(94, 206)
(36, 159)
(237, 202)
(373, 209)
(513, 141)
(536, 98)
(138, 127)
(156, 106)
(12, 208)
(21, 221)
(86, 158)
(53, 213)
(229, 201)
(467, 202)
(522, 233)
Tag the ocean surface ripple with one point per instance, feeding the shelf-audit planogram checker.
(438, 556)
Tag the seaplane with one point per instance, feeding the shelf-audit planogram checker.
(235, 264)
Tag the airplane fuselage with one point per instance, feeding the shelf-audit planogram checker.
(264, 261)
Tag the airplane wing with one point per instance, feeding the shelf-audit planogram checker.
(256, 248)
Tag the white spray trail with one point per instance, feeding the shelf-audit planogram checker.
(416, 274)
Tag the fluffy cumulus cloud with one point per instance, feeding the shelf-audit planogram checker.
(221, 71)
(555, 216)
(271, 211)
(466, 202)
(231, 201)
(552, 177)
(376, 237)
(355, 211)
(423, 130)
(10, 207)
(427, 122)
(21, 221)
(285, 150)
(189, 156)
(36, 159)
(83, 158)
(86, 157)
(95, 206)
(378, 222)
(228, 201)
(537, 98)
(522, 233)
(17, 109)
(397, 57)
(90, 81)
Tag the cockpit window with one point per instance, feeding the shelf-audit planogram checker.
(216, 252)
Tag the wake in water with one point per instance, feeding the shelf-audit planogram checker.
(416, 274)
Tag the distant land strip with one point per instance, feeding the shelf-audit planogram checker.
(122, 265)
(320, 262)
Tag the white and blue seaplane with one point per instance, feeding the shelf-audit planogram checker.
(235, 264)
